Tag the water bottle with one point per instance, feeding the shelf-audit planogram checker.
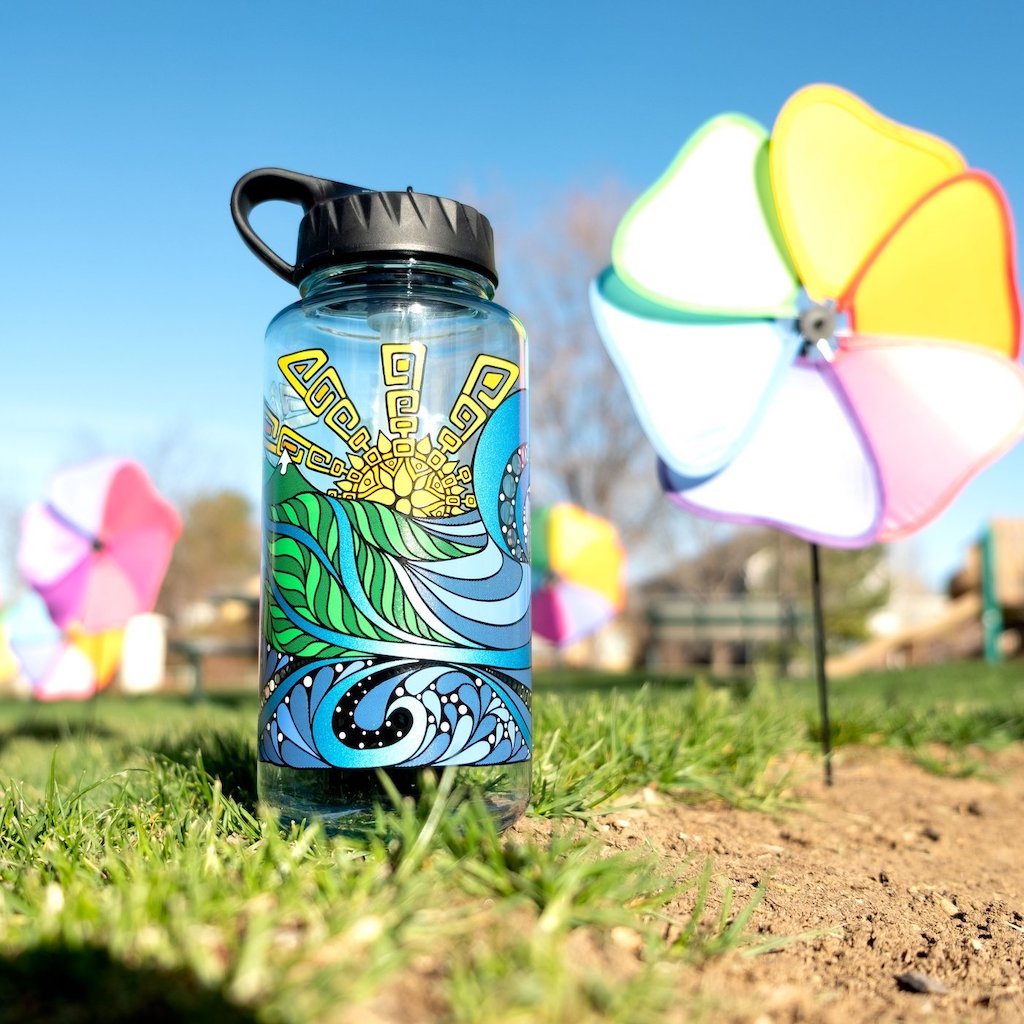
(395, 608)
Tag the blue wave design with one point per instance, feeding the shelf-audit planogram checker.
(394, 713)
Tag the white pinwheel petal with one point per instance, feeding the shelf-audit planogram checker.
(696, 383)
(704, 237)
(807, 468)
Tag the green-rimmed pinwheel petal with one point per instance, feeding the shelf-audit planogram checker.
(704, 237)
(698, 383)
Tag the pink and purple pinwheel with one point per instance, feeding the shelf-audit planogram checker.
(97, 549)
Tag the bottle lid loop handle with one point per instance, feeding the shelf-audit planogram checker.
(276, 184)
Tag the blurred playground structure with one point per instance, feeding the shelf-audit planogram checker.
(982, 616)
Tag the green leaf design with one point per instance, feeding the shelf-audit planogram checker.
(311, 512)
(399, 535)
(315, 593)
(380, 583)
(309, 570)
(284, 636)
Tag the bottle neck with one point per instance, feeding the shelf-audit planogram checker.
(408, 275)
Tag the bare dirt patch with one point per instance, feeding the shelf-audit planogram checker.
(909, 880)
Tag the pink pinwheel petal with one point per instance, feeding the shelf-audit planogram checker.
(98, 549)
(934, 412)
(64, 596)
(143, 555)
(132, 502)
(565, 613)
(807, 469)
(547, 614)
(97, 595)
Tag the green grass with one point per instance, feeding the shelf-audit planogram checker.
(138, 880)
(944, 716)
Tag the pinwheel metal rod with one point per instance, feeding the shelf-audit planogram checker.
(819, 661)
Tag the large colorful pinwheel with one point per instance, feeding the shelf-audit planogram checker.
(818, 330)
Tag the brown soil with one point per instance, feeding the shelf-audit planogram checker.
(895, 871)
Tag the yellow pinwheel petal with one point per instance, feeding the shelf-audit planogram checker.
(103, 651)
(584, 549)
(842, 176)
(946, 271)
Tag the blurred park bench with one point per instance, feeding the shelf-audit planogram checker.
(221, 653)
(726, 634)
(197, 651)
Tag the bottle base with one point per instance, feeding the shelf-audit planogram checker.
(347, 801)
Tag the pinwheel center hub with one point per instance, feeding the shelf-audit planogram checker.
(818, 323)
(817, 326)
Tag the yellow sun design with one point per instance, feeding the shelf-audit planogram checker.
(412, 477)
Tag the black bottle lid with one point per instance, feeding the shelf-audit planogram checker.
(347, 224)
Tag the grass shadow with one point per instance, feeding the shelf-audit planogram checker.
(68, 985)
(229, 757)
(229, 699)
(56, 731)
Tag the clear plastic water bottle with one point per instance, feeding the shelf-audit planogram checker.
(395, 612)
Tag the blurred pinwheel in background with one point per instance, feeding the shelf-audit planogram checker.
(579, 567)
(60, 664)
(818, 331)
(95, 550)
(98, 547)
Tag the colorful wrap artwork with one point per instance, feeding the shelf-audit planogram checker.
(396, 604)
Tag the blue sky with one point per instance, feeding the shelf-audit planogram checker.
(133, 315)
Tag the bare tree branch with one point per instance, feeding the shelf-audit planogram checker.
(587, 446)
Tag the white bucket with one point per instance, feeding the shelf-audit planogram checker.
(144, 656)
